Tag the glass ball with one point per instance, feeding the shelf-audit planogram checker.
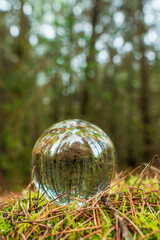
(73, 153)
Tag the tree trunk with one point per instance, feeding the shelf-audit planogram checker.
(86, 94)
(144, 92)
(145, 107)
(130, 131)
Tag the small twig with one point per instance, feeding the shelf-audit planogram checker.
(153, 168)
(132, 204)
(138, 230)
(91, 234)
(55, 200)
(125, 176)
(94, 214)
(45, 234)
(110, 230)
(117, 230)
(151, 210)
(140, 177)
(33, 229)
(98, 219)
(22, 208)
(68, 225)
(148, 235)
(104, 216)
(71, 231)
(105, 191)
(135, 235)
(66, 237)
(36, 202)
(23, 236)
(147, 192)
(88, 220)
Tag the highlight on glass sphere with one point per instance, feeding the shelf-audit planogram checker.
(73, 154)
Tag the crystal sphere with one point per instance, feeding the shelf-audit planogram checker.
(73, 153)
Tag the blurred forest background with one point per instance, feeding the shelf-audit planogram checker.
(97, 60)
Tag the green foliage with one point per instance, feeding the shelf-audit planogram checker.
(5, 226)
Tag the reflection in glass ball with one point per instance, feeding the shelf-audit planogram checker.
(73, 153)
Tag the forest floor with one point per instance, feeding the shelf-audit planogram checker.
(129, 208)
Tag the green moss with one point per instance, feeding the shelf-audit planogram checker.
(32, 217)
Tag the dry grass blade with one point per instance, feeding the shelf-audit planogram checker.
(151, 210)
(126, 176)
(68, 226)
(23, 236)
(91, 234)
(153, 168)
(94, 214)
(138, 230)
(98, 219)
(113, 217)
(132, 204)
(104, 216)
(117, 230)
(149, 235)
(107, 234)
(107, 189)
(72, 231)
(145, 170)
(36, 202)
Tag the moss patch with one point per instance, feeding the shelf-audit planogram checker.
(126, 209)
